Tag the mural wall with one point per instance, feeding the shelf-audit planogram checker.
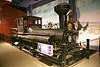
(88, 11)
(47, 12)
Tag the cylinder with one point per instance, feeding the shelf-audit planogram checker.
(58, 33)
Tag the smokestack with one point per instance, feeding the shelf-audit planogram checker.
(62, 10)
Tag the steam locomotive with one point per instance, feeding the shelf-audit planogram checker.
(57, 46)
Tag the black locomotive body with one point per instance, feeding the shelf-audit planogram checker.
(54, 45)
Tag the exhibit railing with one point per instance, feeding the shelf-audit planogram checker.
(93, 43)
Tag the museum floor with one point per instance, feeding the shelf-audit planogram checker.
(12, 57)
